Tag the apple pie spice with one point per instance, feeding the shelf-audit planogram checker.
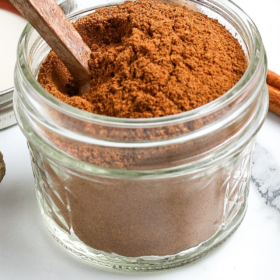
(148, 59)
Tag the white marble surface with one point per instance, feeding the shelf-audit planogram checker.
(27, 251)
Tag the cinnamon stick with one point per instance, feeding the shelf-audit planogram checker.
(273, 79)
(274, 99)
(273, 84)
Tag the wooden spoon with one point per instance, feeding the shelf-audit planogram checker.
(55, 28)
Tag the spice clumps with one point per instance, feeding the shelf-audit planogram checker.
(149, 59)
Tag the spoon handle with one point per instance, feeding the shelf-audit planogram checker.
(55, 28)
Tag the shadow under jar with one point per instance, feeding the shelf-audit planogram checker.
(143, 194)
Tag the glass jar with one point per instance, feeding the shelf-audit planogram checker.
(143, 194)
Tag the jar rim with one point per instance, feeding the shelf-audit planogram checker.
(257, 52)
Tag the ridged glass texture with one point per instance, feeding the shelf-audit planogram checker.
(143, 194)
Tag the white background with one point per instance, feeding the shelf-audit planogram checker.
(27, 251)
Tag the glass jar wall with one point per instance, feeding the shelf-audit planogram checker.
(143, 194)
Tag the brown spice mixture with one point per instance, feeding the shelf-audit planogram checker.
(149, 59)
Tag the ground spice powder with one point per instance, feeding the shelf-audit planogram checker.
(149, 59)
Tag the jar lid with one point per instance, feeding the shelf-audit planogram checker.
(7, 116)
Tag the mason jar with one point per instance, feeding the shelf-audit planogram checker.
(143, 194)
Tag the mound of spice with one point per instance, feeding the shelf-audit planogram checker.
(149, 59)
